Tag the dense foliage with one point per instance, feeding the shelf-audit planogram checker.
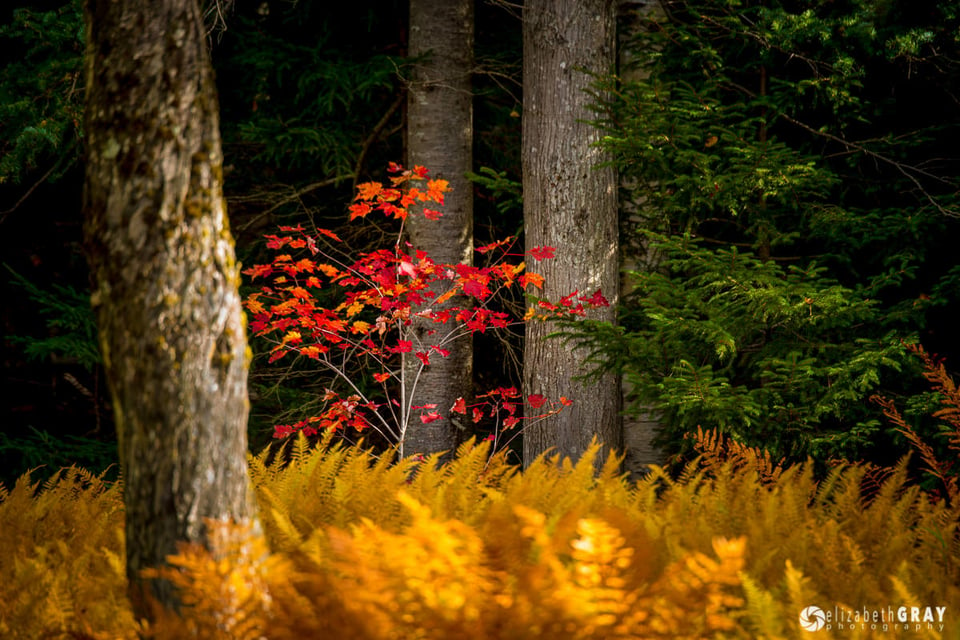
(788, 186)
(790, 222)
(40, 92)
(349, 315)
(364, 548)
(790, 193)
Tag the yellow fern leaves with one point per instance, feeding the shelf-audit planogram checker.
(434, 580)
(61, 568)
(357, 546)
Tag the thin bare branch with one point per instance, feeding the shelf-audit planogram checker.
(375, 135)
(292, 196)
(33, 187)
(909, 171)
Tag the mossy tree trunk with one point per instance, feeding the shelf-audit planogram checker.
(165, 278)
(440, 138)
(570, 203)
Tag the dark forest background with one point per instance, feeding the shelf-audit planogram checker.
(789, 188)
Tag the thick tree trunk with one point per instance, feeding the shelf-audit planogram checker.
(570, 203)
(440, 138)
(165, 277)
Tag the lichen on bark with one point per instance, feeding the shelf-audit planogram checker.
(164, 277)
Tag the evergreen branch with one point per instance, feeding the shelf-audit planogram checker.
(752, 245)
(906, 169)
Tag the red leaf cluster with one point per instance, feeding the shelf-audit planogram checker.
(380, 292)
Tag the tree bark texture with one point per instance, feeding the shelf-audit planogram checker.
(172, 331)
(440, 138)
(570, 203)
(640, 426)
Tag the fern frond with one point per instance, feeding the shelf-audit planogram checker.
(716, 449)
(763, 614)
(224, 589)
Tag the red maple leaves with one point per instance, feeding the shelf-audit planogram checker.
(541, 253)
(380, 292)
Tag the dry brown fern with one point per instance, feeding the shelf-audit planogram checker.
(940, 381)
(716, 449)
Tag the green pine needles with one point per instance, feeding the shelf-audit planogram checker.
(769, 353)
(783, 216)
(71, 324)
(41, 93)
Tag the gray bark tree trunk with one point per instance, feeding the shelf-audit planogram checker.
(569, 203)
(172, 331)
(641, 423)
(440, 138)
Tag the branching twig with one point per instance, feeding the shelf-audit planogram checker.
(375, 134)
(907, 170)
(296, 194)
(43, 178)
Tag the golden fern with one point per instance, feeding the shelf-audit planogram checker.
(363, 547)
(715, 449)
(58, 573)
(761, 615)
(940, 381)
(223, 590)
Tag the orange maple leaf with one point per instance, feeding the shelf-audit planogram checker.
(391, 195)
(368, 190)
(360, 326)
(509, 271)
(446, 295)
(258, 271)
(359, 210)
(531, 278)
(330, 234)
(311, 351)
(436, 188)
(495, 245)
(253, 305)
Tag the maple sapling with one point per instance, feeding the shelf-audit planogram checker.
(379, 294)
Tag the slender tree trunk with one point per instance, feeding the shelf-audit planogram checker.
(570, 203)
(440, 138)
(165, 277)
(641, 425)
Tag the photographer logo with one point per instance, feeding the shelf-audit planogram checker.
(812, 618)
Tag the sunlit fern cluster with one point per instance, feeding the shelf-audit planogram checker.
(361, 547)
